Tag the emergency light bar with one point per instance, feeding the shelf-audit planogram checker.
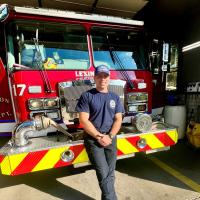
(74, 15)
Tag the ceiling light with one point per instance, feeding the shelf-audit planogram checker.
(191, 46)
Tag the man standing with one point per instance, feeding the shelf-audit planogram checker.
(100, 113)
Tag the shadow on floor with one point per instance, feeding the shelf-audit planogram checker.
(45, 181)
(181, 157)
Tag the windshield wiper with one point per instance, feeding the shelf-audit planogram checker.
(124, 72)
(115, 58)
(39, 62)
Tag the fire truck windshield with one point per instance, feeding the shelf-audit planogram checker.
(60, 46)
(128, 46)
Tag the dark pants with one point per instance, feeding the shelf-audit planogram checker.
(104, 161)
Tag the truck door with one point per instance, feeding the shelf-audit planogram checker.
(6, 111)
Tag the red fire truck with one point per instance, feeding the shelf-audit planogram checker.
(47, 59)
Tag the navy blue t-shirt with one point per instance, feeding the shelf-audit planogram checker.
(101, 107)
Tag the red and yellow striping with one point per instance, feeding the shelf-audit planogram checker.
(22, 163)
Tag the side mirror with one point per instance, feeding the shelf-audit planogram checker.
(20, 40)
(165, 57)
(4, 11)
(154, 61)
(154, 56)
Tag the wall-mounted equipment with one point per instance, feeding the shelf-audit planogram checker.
(193, 87)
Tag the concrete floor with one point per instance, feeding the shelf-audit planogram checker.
(170, 175)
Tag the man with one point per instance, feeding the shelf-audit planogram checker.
(100, 113)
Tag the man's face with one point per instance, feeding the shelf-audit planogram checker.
(102, 80)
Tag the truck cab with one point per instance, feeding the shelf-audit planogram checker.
(48, 60)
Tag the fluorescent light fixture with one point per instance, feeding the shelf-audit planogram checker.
(191, 46)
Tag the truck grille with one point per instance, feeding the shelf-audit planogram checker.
(72, 94)
(71, 91)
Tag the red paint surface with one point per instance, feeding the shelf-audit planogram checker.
(33, 78)
(1, 158)
(165, 139)
(6, 111)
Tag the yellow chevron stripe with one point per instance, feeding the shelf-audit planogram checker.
(173, 135)
(5, 166)
(82, 157)
(50, 159)
(125, 146)
(152, 141)
(16, 159)
(10, 163)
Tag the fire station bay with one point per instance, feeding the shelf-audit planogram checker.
(50, 53)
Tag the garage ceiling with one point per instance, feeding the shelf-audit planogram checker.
(170, 18)
(141, 9)
(125, 8)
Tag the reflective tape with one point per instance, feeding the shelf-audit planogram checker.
(51, 158)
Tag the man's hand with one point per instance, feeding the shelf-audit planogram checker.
(104, 140)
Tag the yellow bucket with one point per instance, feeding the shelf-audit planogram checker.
(193, 134)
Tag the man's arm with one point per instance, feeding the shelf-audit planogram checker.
(88, 126)
(106, 139)
(117, 124)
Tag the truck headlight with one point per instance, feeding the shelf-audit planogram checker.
(132, 98)
(43, 103)
(137, 97)
(50, 103)
(142, 97)
(141, 107)
(35, 104)
(132, 108)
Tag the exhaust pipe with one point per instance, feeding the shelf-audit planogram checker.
(20, 133)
